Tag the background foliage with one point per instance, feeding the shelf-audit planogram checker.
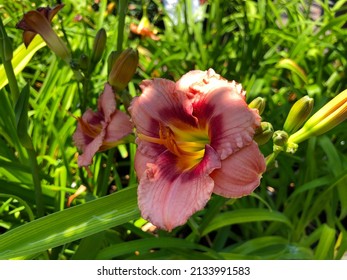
(298, 212)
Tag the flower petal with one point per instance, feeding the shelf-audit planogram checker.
(140, 163)
(231, 122)
(159, 103)
(90, 150)
(168, 197)
(80, 137)
(240, 173)
(119, 127)
(107, 102)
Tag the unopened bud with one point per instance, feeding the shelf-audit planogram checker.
(258, 103)
(298, 114)
(280, 138)
(326, 118)
(123, 69)
(263, 133)
(112, 59)
(98, 46)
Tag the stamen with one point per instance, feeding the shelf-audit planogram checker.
(88, 129)
(187, 144)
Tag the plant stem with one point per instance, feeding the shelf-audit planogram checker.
(37, 182)
(123, 4)
(105, 179)
(6, 55)
(271, 158)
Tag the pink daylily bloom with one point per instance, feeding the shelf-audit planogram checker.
(101, 130)
(195, 138)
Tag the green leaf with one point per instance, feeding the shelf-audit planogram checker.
(291, 65)
(325, 248)
(21, 112)
(336, 165)
(70, 224)
(245, 216)
(144, 245)
(21, 58)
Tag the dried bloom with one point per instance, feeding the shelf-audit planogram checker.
(101, 130)
(39, 22)
(145, 29)
(195, 138)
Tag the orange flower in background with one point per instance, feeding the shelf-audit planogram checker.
(195, 138)
(144, 29)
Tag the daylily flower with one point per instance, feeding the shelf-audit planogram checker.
(145, 29)
(195, 138)
(39, 22)
(101, 130)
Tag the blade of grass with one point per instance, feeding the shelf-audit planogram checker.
(70, 224)
(245, 216)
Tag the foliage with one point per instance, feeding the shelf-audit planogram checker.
(274, 48)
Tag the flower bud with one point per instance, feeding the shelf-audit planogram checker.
(298, 114)
(329, 116)
(263, 133)
(112, 59)
(258, 103)
(280, 138)
(123, 69)
(98, 46)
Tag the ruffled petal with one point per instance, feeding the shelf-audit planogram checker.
(191, 78)
(90, 149)
(168, 197)
(240, 173)
(107, 102)
(230, 121)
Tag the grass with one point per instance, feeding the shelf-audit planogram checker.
(298, 212)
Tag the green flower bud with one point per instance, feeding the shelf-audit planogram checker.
(123, 69)
(280, 138)
(258, 103)
(298, 114)
(98, 46)
(263, 133)
(326, 118)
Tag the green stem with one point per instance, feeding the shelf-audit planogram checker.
(6, 56)
(36, 181)
(123, 4)
(271, 158)
(12, 81)
(105, 179)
